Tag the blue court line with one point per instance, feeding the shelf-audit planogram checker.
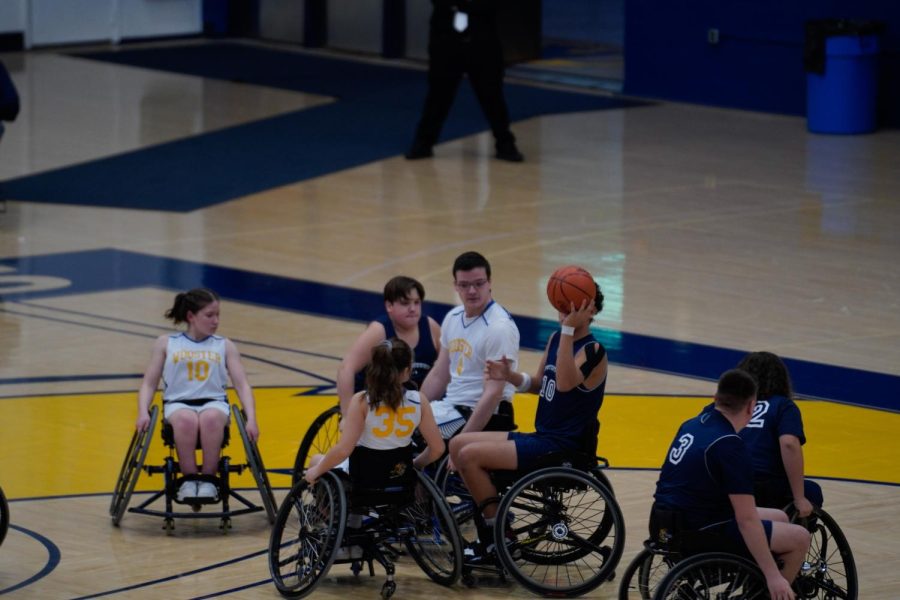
(144, 335)
(58, 378)
(234, 589)
(163, 329)
(373, 118)
(151, 582)
(105, 270)
(53, 557)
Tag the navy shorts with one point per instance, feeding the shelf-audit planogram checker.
(731, 530)
(530, 447)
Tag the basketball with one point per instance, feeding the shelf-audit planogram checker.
(570, 285)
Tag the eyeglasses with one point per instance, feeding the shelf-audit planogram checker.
(465, 285)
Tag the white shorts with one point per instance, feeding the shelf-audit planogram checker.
(170, 407)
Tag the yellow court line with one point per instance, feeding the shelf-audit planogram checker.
(75, 444)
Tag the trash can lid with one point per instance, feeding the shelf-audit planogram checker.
(818, 30)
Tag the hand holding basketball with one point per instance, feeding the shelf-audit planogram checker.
(570, 285)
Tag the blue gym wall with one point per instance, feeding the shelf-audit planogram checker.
(758, 62)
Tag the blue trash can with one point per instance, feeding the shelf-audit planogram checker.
(842, 76)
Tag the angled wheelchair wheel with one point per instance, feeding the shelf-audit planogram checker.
(255, 462)
(643, 575)
(713, 575)
(564, 532)
(321, 436)
(4, 516)
(306, 535)
(829, 570)
(458, 500)
(432, 537)
(131, 468)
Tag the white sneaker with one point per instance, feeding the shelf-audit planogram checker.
(187, 490)
(206, 490)
(349, 553)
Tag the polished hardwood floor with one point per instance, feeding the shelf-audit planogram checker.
(707, 229)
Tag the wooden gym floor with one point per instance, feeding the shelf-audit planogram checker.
(712, 232)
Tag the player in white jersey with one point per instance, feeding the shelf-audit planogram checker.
(195, 366)
(379, 423)
(471, 334)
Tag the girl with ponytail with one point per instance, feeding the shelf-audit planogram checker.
(378, 425)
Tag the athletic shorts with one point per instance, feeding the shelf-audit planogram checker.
(731, 530)
(530, 447)
(169, 408)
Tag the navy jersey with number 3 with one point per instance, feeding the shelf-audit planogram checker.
(706, 462)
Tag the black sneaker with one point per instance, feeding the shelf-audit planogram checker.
(475, 554)
(507, 151)
(418, 151)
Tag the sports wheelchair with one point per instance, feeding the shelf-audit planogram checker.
(562, 528)
(316, 522)
(322, 435)
(680, 565)
(134, 464)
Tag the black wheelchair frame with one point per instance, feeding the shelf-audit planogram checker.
(667, 570)
(4, 516)
(312, 525)
(133, 465)
(563, 530)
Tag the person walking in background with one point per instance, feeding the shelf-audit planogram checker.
(464, 40)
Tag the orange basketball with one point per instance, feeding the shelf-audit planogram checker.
(570, 285)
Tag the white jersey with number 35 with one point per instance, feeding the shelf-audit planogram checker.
(387, 429)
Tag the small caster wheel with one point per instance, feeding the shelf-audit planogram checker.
(388, 589)
(468, 580)
(356, 567)
(169, 525)
(225, 525)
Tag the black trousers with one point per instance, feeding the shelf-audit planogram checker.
(448, 63)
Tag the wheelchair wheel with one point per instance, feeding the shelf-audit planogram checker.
(713, 575)
(306, 535)
(458, 500)
(4, 516)
(557, 541)
(829, 570)
(131, 468)
(643, 575)
(321, 436)
(434, 540)
(255, 462)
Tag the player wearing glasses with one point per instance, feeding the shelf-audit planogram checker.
(471, 334)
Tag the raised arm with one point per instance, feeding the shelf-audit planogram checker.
(242, 387)
(357, 357)
(151, 381)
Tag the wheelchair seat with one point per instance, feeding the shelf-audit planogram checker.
(134, 465)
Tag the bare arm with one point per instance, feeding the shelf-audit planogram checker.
(792, 457)
(754, 535)
(435, 384)
(502, 370)
(429, 430)
(357, 357)
(568, 365)
(151, 381)
(242, 387)
(435, 328)
(353, 423)
(487, 404)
